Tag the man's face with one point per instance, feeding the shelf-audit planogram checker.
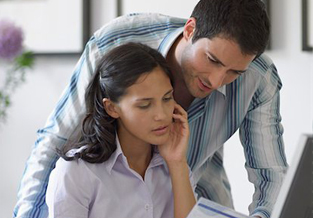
(211, 63)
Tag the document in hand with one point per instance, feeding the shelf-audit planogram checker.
(206, 208)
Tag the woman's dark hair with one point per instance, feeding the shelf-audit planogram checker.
(118, 69)
(244, 21)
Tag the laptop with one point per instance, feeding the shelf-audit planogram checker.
(295, 199)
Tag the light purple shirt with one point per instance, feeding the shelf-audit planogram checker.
(111, 189)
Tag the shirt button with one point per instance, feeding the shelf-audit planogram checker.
(147, 206)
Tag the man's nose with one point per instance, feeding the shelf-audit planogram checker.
(216, 78)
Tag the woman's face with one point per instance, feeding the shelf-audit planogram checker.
(145, 111)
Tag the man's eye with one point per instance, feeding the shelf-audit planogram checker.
(212, 60)
(238, 73)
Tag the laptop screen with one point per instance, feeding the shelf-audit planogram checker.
(295, 199)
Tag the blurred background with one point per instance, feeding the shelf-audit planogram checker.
(34, 100)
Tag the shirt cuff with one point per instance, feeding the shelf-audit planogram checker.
(261, 213)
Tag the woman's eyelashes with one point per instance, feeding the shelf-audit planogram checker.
(166, 99)
(148, 104)
(144, 106)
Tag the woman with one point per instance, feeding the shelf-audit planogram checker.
(130, 160)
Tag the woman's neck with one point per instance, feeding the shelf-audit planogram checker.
(137, 152)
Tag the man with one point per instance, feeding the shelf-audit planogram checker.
(221, 78)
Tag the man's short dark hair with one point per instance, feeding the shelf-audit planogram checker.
(244, 21)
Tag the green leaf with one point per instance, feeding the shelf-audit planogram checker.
(14, 77)
(25, 60)
(7, 101)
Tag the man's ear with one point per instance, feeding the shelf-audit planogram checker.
(110, 108)
(189, 28)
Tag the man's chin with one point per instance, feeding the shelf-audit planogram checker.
(201, 94)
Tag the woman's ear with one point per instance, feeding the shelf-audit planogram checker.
(189, 28)
(110, 108)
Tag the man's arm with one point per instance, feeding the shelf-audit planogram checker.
(59, 127)
(261, 136)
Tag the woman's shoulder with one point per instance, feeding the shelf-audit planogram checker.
(78, 167)
(70, 180)
(77, 174)
(65, 165)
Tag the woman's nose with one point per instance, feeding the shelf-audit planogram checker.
(160, 113)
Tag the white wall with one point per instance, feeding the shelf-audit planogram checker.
(32, 104)
(33, 101)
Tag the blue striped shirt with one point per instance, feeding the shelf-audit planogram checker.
(250, 104)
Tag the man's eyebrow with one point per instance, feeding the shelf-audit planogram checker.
(221, 63)
(216, 59)
(149, 99)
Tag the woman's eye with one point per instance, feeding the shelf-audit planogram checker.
(168, 98)
(144, 106)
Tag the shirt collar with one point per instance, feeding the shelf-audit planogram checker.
(115, 155)
(167, 43)
(157, 159)
(169, 40)
(222, 90)
(118, 155)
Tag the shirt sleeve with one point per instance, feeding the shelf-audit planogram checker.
(261, 136)
(193, 183)
(59, 127)
(68, 192)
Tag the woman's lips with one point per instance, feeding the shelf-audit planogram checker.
(161, 130)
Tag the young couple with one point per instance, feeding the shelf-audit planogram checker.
(220, 76)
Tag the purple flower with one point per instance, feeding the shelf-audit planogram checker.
(11, 39)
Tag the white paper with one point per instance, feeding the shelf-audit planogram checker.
(206, 208)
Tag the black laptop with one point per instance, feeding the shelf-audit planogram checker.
(295, 199)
